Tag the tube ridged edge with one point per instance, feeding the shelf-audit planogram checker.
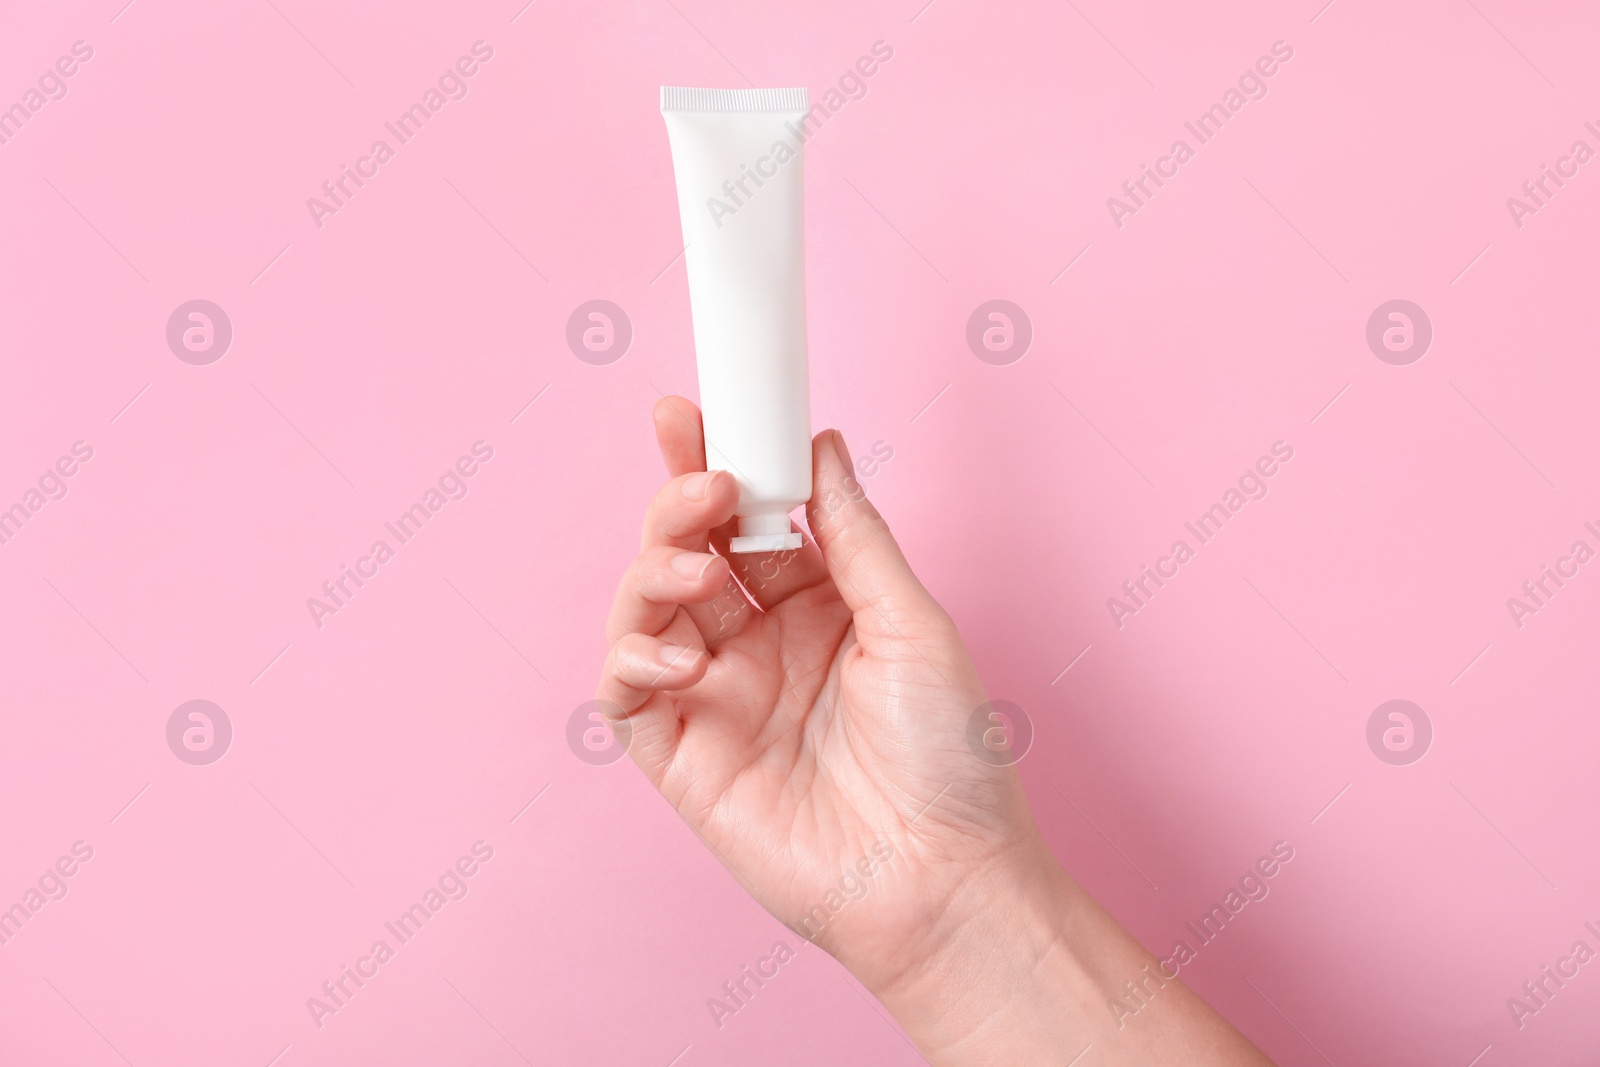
(679, 98)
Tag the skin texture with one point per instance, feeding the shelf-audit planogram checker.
(808, 714)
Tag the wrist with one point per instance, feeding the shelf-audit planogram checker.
(1024, 966)
(996, 975)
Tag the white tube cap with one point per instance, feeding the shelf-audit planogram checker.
(764, 533)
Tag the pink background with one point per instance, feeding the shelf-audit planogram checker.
(425, 715)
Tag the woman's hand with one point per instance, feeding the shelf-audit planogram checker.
(813, 721)
(814, 716)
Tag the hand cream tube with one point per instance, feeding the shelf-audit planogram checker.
(738, 156)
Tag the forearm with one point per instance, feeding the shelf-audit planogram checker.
(1025, 968)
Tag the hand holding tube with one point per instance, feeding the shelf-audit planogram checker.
(802, 709)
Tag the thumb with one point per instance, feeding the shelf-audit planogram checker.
(891, 606)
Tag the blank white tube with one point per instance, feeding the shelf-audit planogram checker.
(739, 159)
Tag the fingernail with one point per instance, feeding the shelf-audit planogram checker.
(843, 452)
(692, 564)
(678, 656)
(696, 487)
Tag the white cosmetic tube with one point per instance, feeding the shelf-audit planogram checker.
(739, 159)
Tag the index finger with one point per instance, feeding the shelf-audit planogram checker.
(769, 577)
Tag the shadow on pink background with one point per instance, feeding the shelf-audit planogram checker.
(374, 746)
